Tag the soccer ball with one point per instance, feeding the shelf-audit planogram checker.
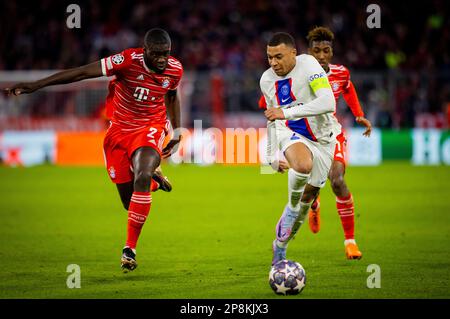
(287, 277)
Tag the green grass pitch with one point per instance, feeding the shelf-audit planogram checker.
(211, 236)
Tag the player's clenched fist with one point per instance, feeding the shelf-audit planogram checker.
(21, 88)
(273, 113)
(280, 166)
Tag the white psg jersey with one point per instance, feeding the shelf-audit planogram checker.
(296, 88)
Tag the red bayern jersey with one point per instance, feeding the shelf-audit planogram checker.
(136, 95)
(339, 78)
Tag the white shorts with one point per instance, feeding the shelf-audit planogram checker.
(322, 154)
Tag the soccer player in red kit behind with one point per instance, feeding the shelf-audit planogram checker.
(320, 40)
(145, 85)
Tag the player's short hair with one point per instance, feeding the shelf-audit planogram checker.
(320, 34)
(281, 37)
(157, 36)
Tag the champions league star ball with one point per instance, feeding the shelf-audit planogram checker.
(287, 277)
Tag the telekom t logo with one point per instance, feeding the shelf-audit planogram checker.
(141, 93)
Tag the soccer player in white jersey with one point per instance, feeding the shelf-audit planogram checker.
(300, 107)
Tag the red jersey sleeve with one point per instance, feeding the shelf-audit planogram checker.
(116, 63)
(347, 78)
(262, 103)
(351, 98)
(178, 67)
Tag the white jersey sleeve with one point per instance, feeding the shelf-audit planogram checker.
(272, 147)
(266, 86)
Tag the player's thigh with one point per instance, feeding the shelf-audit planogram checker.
(300, 157)
(337, 170)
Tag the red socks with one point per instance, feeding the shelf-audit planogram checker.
(137, 214)
(346, 213)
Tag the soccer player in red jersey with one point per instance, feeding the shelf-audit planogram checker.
(320, 40)
(145, 85)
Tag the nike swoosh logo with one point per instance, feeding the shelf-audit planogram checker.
(284, 100)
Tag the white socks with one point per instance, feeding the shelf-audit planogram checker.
(304, 208)
(349, 241)
(296, 185)
(298, 209)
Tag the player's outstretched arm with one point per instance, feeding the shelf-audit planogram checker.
(173, 110)
(351, 98)
(92, 70)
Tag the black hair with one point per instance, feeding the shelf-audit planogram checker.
(281, 37)
(157, 36)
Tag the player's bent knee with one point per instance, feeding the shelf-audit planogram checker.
(337, 182)
(142, 180)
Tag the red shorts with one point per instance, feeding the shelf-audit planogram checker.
(119, 146)
(340, 151)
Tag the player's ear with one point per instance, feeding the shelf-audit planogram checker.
(294, 51)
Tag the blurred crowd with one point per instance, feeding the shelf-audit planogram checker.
(224, 34)
(414, 37)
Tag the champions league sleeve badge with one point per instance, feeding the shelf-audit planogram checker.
(117, 59)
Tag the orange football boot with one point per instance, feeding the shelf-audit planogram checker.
(314, 216)
(352, 251)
